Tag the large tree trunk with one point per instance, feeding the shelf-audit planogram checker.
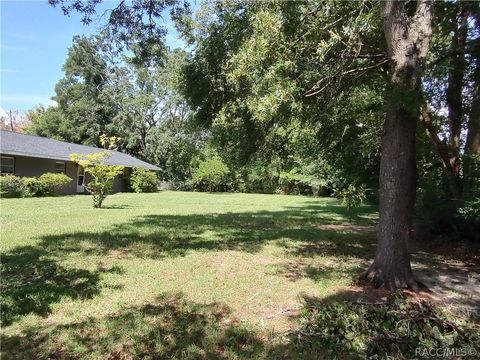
(472, 146)
(407, 41)
(454, 95)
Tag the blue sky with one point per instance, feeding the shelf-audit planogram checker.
(35, 38)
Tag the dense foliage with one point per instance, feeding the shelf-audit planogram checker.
(211, 172)
(352, 196)
(53, 182)
(399, 329)
(143, 181)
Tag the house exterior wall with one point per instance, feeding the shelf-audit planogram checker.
(30, 166)
(118, 184)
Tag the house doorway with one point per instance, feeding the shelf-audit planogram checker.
(80, 179)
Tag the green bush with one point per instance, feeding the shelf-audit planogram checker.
(352, 196)
(47, 184)
(53, 182)
(11, 186)
(34, 187)
(288, 180)
(389, 331)
(143, 181)
(212, 172)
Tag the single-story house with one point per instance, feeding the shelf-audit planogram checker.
(29, 155)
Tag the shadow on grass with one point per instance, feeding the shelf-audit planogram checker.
(33, 278)
(366, 323)
(172, 327)
(296, 270)
(158, 236)
(169, 328)
(117, 207)
(359, 215)
(32, 281)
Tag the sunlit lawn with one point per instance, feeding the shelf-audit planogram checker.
(173, 274)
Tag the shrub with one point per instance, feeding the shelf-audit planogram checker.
(212, 171)
(102, 174)
(392, 330)
(352, 196)
(11, 186)
(53, 182)
(143, 181)
(34, 187)
(287, 181)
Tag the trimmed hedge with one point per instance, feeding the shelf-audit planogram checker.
(46, 185)
(54, 182)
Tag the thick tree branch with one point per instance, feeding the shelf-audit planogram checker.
(426, 120)
(323, 83)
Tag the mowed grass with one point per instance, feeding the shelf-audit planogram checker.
(172, 274)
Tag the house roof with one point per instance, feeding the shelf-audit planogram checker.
(12, 143)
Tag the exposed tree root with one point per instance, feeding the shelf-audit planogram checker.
(392, 281)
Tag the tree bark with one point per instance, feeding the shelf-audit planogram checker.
(454, 90)
(472, 146)
(407, 39)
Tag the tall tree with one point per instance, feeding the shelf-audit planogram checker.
(407, 34)
(472, 146)
(451, 62)
(84, 95)
(148, 97)
(48, 122)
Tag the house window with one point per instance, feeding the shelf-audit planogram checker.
(7, 165)
(60, 167)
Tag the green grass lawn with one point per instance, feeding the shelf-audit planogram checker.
(172, 274)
